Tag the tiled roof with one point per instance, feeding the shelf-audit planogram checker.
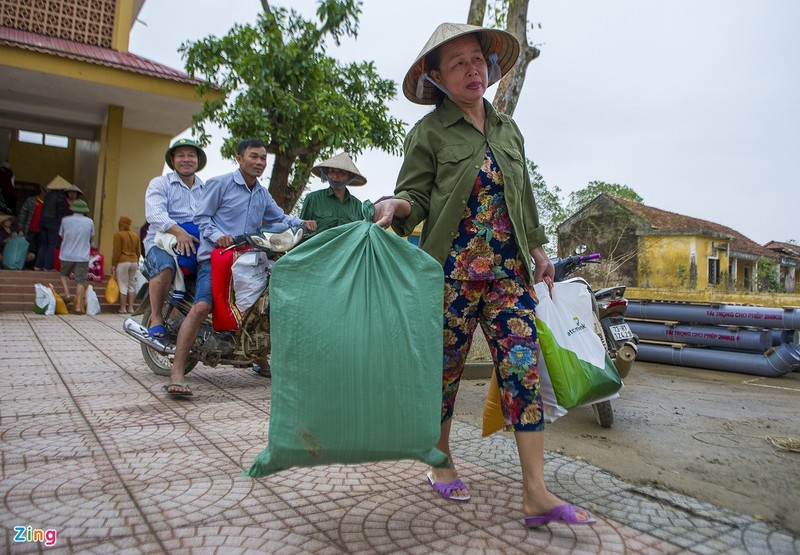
(91, 54)
(662, 220)
(789, 250)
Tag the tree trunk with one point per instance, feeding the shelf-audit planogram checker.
(510, 87)
(285, 196)
(477, 11)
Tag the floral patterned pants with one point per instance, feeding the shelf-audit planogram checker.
(506, 310)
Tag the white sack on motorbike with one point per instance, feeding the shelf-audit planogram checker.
(250, 272)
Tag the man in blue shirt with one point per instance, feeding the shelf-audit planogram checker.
(232, 204)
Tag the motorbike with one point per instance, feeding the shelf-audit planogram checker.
(239, 348)
(608, 306)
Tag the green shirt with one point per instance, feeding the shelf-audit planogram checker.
(443, 154)
(324, 207)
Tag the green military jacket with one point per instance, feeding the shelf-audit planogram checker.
(443, 154)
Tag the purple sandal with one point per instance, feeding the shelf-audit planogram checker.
(566, 513)
(445, 489)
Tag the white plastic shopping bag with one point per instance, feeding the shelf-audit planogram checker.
(578, 366)
(45, 302)
(92, 302)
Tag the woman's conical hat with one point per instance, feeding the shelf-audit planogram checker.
(58, 183)
(504, 44)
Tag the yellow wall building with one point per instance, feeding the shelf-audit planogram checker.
(67, 75)
(646, 247)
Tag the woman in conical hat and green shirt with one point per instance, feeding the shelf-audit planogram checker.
(464, 175)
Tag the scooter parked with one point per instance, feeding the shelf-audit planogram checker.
(609, 306)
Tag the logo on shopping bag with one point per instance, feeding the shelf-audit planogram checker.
(579, 326)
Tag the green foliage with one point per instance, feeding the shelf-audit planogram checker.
(278, 84)
(579, 199)
(553, 211)
(497, 14)
(549, 204)
(767, 277)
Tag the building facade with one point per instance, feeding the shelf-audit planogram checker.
(74, 102)
(647, 247)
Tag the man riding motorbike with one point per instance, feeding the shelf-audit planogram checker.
(231, 205)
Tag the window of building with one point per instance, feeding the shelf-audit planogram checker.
(32, 137)
(713, 271)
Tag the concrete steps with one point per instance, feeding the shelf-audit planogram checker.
(18, 294)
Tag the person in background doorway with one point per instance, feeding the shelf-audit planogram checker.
(8, 191)
(72, 194)
(335, 205)
(54, 207)
(125, 263)
(10, 229)
(76, 232)
(30, 216)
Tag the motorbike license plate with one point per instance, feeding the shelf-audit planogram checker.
(621, 332)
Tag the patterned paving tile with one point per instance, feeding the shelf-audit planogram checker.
(46, 438)
(90, 446)
(176, 488)
(81, 498)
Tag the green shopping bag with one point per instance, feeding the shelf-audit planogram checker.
(356, 329)
(15, 252)
(579, 367)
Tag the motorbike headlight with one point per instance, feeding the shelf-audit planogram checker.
(282, 242)
(259, 241)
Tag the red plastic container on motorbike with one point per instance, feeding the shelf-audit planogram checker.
(224, 314)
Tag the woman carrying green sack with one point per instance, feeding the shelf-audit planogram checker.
(464, 175)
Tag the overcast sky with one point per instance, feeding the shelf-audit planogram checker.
(693, 104)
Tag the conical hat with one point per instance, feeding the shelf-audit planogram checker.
(58, 183)
(504, 44)
(342, 162)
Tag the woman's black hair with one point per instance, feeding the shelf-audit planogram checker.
(432, 61)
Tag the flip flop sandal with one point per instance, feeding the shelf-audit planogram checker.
(186, 391)
(446, 489)
(157, 331)
(566, 513)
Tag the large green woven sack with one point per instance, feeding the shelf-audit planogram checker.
(356, 326)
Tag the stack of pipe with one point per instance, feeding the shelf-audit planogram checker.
(745, 339)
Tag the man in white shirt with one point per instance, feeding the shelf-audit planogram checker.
(170, 201)
(76, 243)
